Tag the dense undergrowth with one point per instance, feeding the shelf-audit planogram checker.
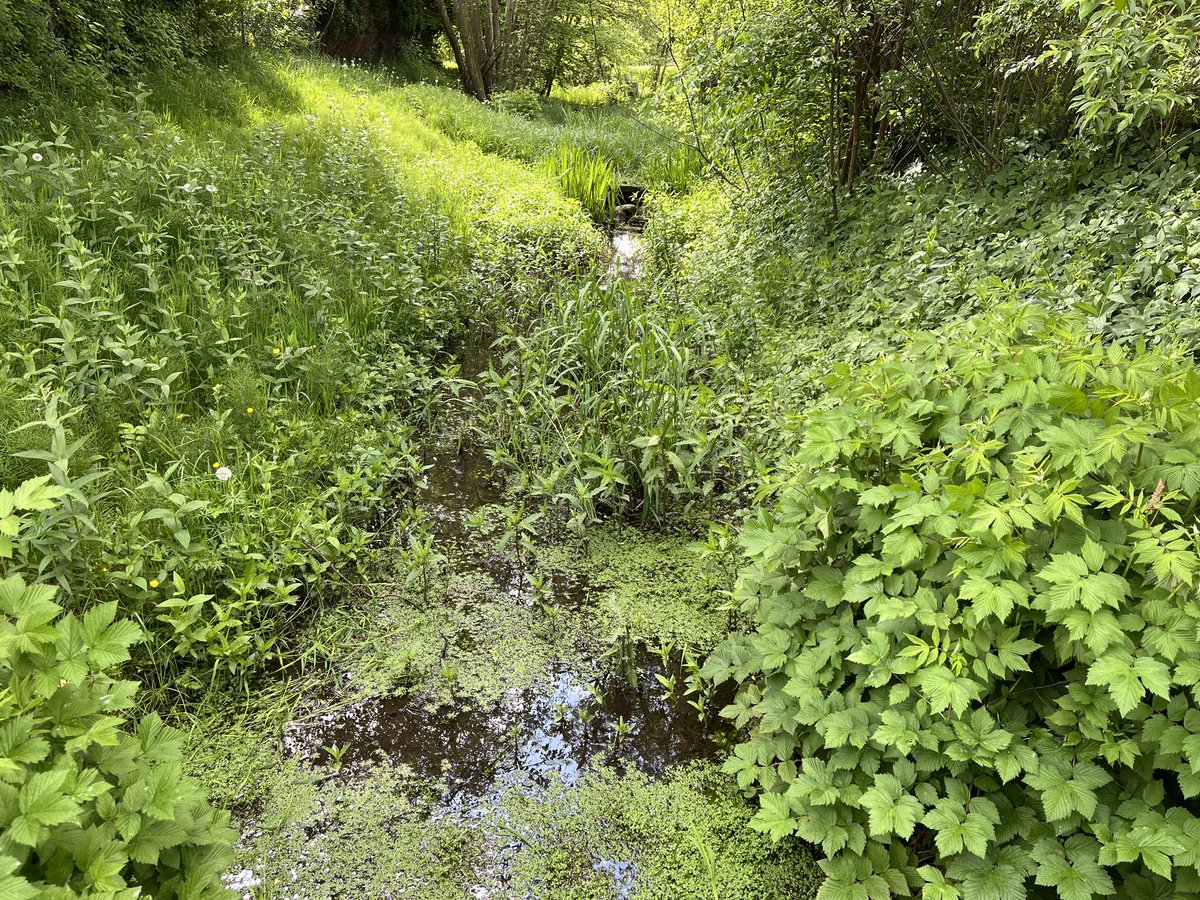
(228, 301)
(221, 326)
(972, 588)
(973, 627)
(750, 306)
(952, 418)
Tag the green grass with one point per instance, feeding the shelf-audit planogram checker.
(640, 147)
(259, 267)
(588, 178)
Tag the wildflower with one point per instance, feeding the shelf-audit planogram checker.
(277, 351)
(216, 465)
(153, 582)
(104, 568)
(247, 274)
(211, 188)
(179, 418)
(189, 187)
(249, 410)
(224, 473)
(37, 157)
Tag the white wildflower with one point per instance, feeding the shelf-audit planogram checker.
(224, 473)
(189, 187)
(211, 188)
(37, 157)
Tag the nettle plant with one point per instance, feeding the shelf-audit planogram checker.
(91, 805)
(976, 667)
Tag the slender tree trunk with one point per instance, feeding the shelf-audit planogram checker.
(479, 40)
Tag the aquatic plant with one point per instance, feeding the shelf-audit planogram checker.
(608, 406)
(587, 177)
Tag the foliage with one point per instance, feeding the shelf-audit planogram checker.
(277, 26)
(586, 177)
(640, 145)
(523, 104)
(46, 45)
(220, 335)
(367, 29)
(575, 42)
(1137, 66)
(90, 805)
(973, 665)
(814, 96)
(602, 408)
(1116, 239)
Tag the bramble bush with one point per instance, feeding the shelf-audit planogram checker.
(90, 804)
(974, 669)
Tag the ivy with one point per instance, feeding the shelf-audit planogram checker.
(978, 622)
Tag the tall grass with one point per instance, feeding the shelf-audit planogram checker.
(586, 177)
(252, 272)
(628, 136)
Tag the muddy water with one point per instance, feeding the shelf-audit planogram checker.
(550, 732)
(626, 249)
(554, 728)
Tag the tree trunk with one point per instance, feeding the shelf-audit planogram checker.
(479, 39)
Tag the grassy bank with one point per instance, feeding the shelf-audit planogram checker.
(226, 301)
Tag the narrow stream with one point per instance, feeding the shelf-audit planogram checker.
(626, 249)
(549, 733)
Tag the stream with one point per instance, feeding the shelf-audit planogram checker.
(625, 246)
(539, 736)
(553, 729)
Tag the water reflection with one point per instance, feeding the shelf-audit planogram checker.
(626, 259)
(547, 733)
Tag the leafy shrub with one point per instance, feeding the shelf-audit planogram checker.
(1137, 66)
(523, 103)
(89, 806)
(974, 667)
(1119, 240)
(85, 42)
